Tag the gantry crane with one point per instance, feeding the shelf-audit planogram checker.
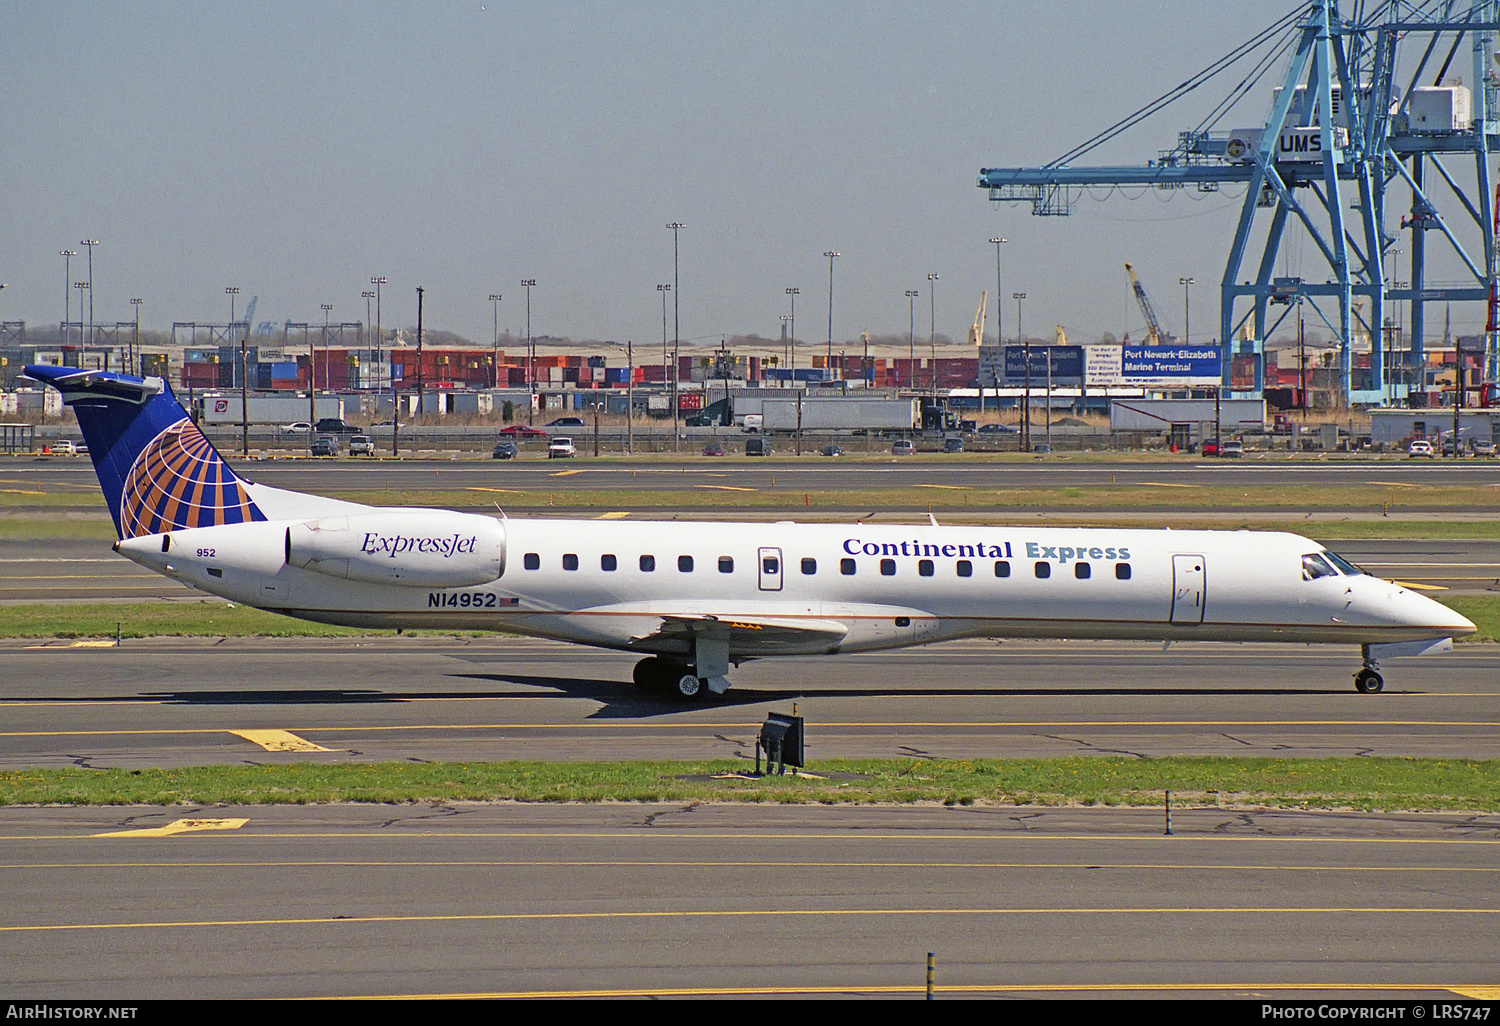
(976, 333)
(1342, 121)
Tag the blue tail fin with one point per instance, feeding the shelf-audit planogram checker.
(159, 473)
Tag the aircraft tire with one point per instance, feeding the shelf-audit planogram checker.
(650, 674)
(690, 687)
(1368, 682)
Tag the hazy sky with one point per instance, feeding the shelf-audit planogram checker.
(295, 149)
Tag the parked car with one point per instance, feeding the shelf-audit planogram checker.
(560, 447)
(953, 444)
(63, 447)
(301, 427)
(522, 431)
(830, 450)
(1232, 449)
(998, 429)
(903, 447)
(361, 445)
(566, 422)
(1481, 448)
(1042, 449)
(1420, 447)
(757, 447)
(335, 426)
(325, 445)
(505, 449)
(1210, 447)
(713, 449)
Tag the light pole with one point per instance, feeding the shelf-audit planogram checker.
(135, 341)
(831, 255)
(911, 338)
(1187, 322)
(794, 293)
(231, 291)
(495, 298)
(367, 296)
(325, 307)
(80, 286)
(377, 281)
(675, 227)
(997, 241)
(67, 255)
(662, 290)
(1025, 355)
(785, 327)
(932, 332)
(90, 243)
(527, 283)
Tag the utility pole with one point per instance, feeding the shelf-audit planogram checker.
(794, 293)
(527, 283)
(135, 340)
(90, 243)
(831, 255)
(67, 255)
(495, 298)
(629, 398)
(932, 333)
(327, 378)
(911, 338)
(232, 291)
(420, 408)
(674, 228)
(1025, 355)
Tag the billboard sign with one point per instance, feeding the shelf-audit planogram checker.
(1170, 365)
(1067, 366)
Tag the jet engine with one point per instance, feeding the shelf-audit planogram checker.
(426, 549)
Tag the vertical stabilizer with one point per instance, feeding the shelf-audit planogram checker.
(158, 472)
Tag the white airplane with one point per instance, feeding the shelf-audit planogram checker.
(696, 599)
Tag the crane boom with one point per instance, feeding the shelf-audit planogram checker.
(976, 333)
(1153, 326)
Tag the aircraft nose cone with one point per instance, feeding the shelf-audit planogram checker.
(1421, 611)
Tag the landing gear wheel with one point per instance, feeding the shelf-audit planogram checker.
(690, 687)
(648, 674)
(1368, 682)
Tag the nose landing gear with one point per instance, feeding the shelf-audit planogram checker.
(1367, 681)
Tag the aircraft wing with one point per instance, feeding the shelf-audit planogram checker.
(748, 637)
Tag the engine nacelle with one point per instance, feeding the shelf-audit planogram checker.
(420, 549)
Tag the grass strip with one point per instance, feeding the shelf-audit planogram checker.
(210, 618)
(1368, 784)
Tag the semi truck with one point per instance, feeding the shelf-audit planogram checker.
(838, 414)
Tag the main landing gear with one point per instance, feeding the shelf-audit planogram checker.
(655, 674)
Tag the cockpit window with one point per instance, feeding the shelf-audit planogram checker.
(1343, 564)
(1315, 566)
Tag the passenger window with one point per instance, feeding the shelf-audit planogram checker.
(888, 568)
(1043, 570)
(924, 567)
(648, 564)
(846, 567)
(1122, 571)
(1315, 566)
(607, 562)
(1082, 571)
(1002, 568)
(965, 568)
(570, 561)
(726, 565)
(685, 564)
(531, 561)
(809, 565)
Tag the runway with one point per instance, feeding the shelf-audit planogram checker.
(165, 702)
(654, 900)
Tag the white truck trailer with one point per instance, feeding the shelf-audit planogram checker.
(268, 409)
(840, 414)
